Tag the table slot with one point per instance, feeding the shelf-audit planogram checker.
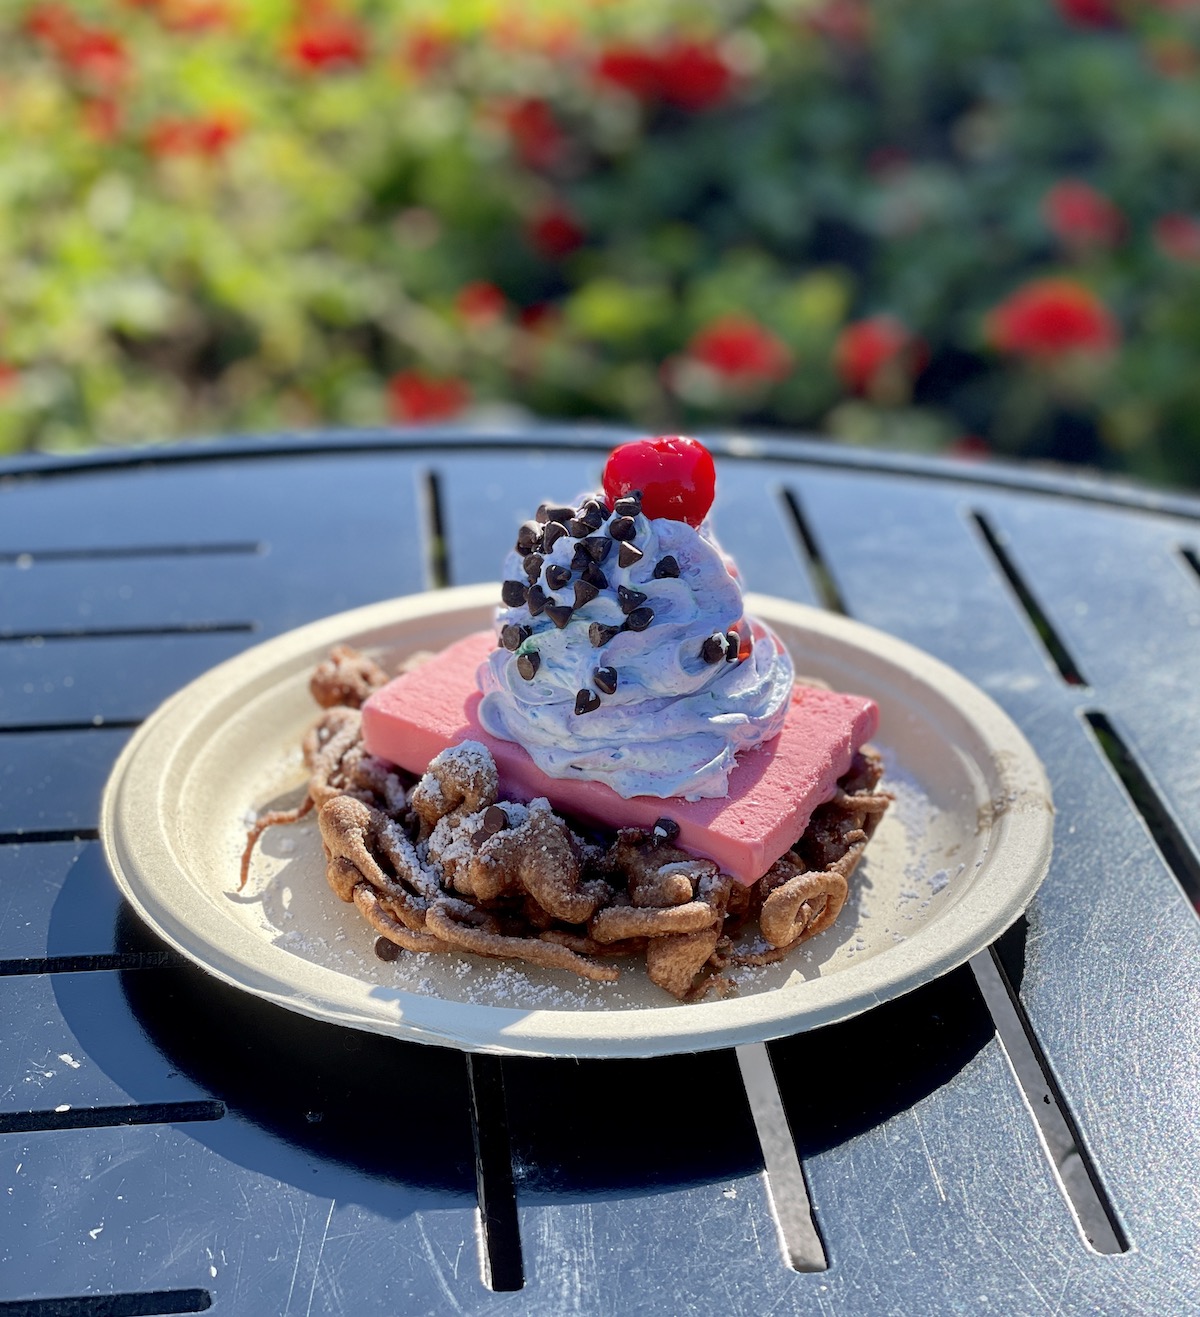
(71, 684)
(1072, 1162)
(69, 1118)
(1151, 804)
(791, 1206)
(826, 588)
(1192, 558)
(109, 552)
(504, 1267)
(155, 1303)
(641, 1172)
(755, 524)
(483, 500)
(50, 782)
(1056, 650)
(62, 912)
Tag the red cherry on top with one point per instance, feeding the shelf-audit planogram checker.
(675, 474)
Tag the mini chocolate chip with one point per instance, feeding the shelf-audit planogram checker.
(529, 537)
(513, 636)
(559, 614)
(639, 619)
(533, 565)
(386, 950)
(598, 547)
(594, 576)
(734, 641)
(589, 513)
(664, 830)
(630, 599)
(580, 558)
(666, 568)
(542, 515)
(605, 680)
(622, 528)
(494, 819)
(713, 649)
(586, 701)
(604, 509)
(554, 532)
(629, 505)
(628, 555)
(535, 599)
(528, 664)
(513, 593)
(599, 634)
(579, 528)
(585, 592)
(557, 575)
(559, 512)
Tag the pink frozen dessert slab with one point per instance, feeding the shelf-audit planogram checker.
(773, 790)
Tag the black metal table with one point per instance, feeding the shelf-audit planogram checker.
(1018, 1137)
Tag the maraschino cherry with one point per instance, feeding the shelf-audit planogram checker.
(675, 475)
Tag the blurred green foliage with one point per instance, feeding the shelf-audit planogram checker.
(813, 214)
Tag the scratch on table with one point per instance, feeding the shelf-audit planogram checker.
(428, 1249)
(299, 1253)
(316, 1270)
(1015, 1262)
(937, 1179)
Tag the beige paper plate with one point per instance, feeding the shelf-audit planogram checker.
(955, 861)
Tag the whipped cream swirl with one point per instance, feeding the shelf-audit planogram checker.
(675, 721)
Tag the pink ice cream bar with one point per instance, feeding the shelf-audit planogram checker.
(773, 789)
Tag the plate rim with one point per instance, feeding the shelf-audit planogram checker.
(975, 920)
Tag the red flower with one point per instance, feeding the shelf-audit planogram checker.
(690, 74)
(1091, 13)
(693, 76)
(96, 56)
(206, 136)
(1178, 236)
(1049, 318)
(414, 396)
(555, 231)
(323, 41)
(867, 350)
(631, 68)
(100, 58)
(1081, 217)
(740, 350)
(54, 24)
(480, 303)
(535, 133)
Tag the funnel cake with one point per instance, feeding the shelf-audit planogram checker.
(625, 767)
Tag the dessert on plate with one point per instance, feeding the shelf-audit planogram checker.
(623, 766)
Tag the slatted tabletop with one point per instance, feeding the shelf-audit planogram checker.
(1017, 1137)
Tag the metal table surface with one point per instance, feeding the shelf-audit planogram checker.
(1017, 1137)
